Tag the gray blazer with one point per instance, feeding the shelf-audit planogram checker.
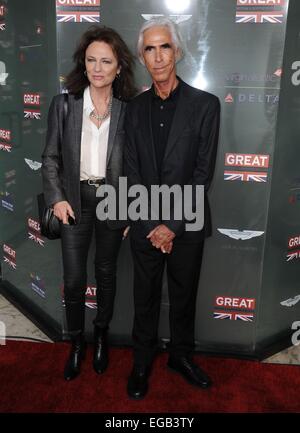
(61, 156)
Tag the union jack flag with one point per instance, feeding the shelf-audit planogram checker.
(91, 304)
(10, 263)
(32, 114)
(5, 147)
(78, 17)
(36, 239)
(293, 255)
(224, 315)
(245, 176)
(259, 17)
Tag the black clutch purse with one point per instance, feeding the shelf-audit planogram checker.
(50, 224)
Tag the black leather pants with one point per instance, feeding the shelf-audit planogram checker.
(75, 240)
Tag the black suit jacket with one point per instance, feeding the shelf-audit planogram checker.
(189, 157)
(61, 156)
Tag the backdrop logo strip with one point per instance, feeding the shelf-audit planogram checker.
(294, 245)
(34, 232)
(78, 11)
(254, 161)
(2, 17)
(32, 100)
(90, 297)
(178, 18)
(37, 285)
(260, 11)
(34, 165)
(3, 74)
(234, 308)
(240, 234)
(9, 256)
(7, 200)
(254, 95)
(5, 135)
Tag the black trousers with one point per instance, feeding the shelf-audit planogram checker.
(75, 241)
(183, 270)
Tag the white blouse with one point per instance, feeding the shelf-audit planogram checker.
(93, 142)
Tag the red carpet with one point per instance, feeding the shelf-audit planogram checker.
(31, 380)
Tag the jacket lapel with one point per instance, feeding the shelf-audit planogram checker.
(114, 119)
(77, 124)
(182, 114)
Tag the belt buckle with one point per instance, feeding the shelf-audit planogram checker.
(93, 183)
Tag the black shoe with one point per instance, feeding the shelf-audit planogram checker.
(137, 386)
(189, 371)
(100, 360)
(77, 354)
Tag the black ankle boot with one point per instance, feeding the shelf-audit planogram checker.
(100, 360)
(77, 354)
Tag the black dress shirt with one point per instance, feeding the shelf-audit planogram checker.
(162, 113)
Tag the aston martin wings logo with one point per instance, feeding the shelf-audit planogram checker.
(240, 234)
(3, 74)
(34, 165)
(291, 301)
(177, 18)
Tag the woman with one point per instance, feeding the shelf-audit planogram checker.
(84, 149)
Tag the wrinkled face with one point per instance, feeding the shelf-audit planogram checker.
(159, 54)
(101, 64)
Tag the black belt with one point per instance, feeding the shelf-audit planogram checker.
(95, 181)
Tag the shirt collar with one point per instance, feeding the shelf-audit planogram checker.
(172, 95)
(88, 105)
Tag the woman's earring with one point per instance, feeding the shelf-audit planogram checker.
(85, 73)
(118, 76)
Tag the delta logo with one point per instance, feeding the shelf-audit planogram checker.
(78, 11)
(260, 11)
(9, 256)
(5, 140)
(32, 103)
(34, 232)
(38, 285)
(253, 97)
(253, 161)
(7, 200)
(234, 308)
(2, 15)
(293, 252)
(90, 297)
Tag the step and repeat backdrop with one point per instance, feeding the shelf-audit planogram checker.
(243, 51)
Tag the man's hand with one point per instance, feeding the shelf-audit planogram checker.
(125, 232)
(161, 236)
(62, 210)
(167, 248)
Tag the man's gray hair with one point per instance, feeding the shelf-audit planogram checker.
(160, 22)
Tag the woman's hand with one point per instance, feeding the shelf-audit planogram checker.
(62, 210)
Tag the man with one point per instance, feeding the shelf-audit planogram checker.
(171, 139)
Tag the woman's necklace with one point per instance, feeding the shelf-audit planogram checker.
(101, 117)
